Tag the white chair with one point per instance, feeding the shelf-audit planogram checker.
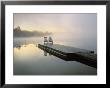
(50, 40)
(45, 41)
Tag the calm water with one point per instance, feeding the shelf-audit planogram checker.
(30, 60)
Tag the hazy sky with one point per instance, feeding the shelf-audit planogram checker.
(80, 29)
(57, 22)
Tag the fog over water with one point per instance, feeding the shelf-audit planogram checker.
(76, 30)
(79, 30)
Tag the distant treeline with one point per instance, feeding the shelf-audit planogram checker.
(23, 33)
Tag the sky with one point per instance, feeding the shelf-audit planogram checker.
(56, 22)
(78, 28)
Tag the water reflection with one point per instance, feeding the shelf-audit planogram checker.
(19, 46)
(45, 53)
(30, 60)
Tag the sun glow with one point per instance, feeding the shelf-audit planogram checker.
(26, 51)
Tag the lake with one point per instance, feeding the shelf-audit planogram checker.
(30, 60)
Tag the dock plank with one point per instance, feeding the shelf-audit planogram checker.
(67, 49)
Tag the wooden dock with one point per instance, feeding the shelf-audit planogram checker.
(71, 53)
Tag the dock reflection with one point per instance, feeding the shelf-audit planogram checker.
(45, 53)
(65, 58)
